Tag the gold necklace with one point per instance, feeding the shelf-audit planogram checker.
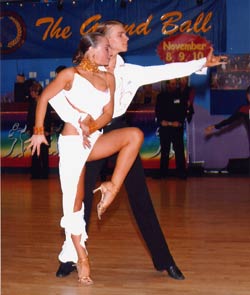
(89, 66)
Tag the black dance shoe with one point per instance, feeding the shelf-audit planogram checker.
(65, 269)
(175, 273)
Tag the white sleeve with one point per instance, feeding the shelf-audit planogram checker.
(144, 75)
(65, 111)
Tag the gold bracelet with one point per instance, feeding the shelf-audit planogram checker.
(92, 127)
(38, 130)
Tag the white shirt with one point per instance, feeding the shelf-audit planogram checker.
(130, 77)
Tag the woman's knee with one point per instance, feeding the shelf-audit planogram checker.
(136, 136)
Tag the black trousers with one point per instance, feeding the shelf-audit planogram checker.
(174, 135)
(140, 203)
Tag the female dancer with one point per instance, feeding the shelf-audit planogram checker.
(91, 92)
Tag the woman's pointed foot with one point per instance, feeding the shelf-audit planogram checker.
(84, 272)
(108, 191)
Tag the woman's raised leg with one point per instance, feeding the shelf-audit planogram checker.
(126, 142)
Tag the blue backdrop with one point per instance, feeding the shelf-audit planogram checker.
(40, 30)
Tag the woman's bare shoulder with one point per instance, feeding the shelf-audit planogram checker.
(66, 75)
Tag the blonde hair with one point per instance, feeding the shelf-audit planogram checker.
(104, 27)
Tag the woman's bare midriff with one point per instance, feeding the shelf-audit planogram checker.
(69, 129)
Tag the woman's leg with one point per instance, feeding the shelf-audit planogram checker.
(82, 263)
(71, 167)
(126, 142)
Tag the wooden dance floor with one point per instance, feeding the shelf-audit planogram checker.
(206, 221)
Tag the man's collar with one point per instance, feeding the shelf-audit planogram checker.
(119, 62)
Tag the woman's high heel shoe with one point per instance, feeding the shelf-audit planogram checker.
(83, 272)
(108, 191)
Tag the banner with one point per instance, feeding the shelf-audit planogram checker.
(14, 151)
(44, 30)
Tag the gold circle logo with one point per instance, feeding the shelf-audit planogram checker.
(13, 32)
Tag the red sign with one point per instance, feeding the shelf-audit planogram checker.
(183, 47)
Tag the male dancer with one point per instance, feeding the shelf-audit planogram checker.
(128, 79)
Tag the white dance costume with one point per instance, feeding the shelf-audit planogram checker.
(73, 156)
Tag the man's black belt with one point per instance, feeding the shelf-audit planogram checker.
(121, 118)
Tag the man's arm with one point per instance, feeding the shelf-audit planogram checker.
(158, 109)
(234, 117)
(153, 74)
(134, 76)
